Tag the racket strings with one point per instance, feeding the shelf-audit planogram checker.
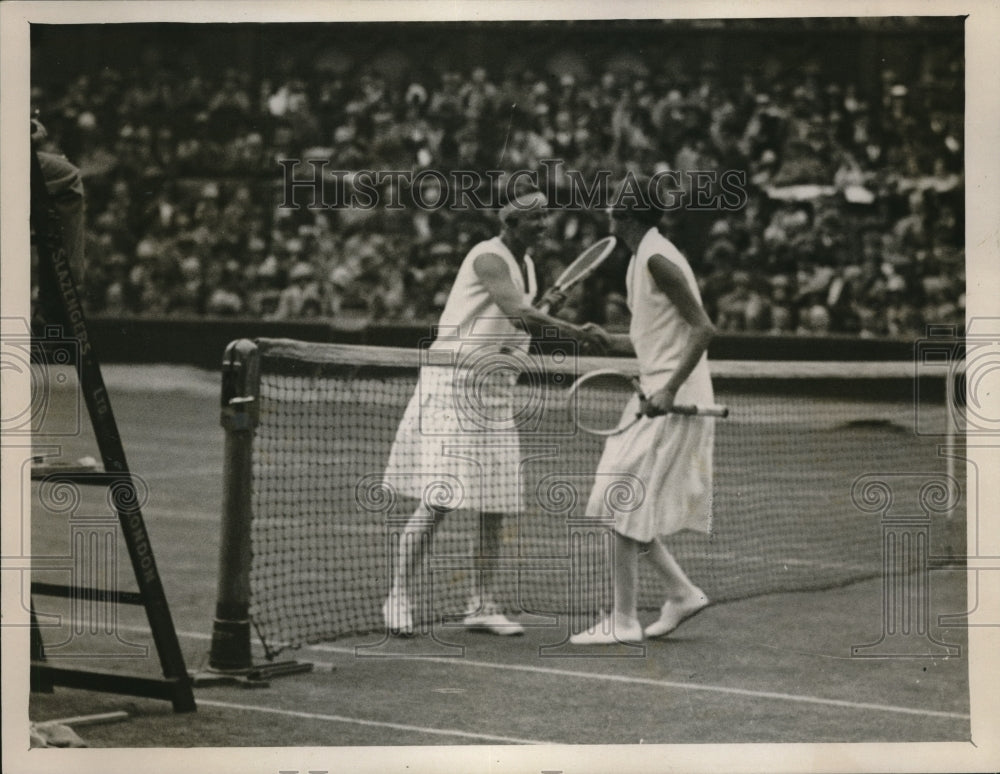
(598, 402)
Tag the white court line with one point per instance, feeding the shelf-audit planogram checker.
(371, 723)
(672, 684)
(723, 689)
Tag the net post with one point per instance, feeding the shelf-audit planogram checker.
(230, 655)
(231, 628)
(954, 546)
(949, 424)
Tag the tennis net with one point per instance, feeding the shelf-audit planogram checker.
(802, 470)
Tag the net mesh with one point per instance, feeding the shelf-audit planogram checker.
(791, 511)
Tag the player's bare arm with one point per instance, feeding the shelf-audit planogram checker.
(494, 273)
(671, 281)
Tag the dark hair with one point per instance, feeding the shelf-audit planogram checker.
(510, 216)
(523, 189)
(634, 200)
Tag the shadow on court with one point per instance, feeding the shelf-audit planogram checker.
(774, 668)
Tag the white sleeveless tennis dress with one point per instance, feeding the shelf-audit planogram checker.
(457, 444)
(666, 461)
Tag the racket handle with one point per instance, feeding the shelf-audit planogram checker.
(694, 411)
(552, 298)
(702, 411)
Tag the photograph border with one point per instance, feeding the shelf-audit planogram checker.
(982, 185)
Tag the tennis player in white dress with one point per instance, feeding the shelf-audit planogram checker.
(670, 454)
(456, 446)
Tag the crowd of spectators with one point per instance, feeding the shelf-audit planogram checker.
(852, 222)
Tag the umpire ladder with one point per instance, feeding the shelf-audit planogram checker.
(61, 299)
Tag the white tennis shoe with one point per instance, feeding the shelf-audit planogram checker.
(673, 614)
(485, 615)
(397, 615)
(608, 631)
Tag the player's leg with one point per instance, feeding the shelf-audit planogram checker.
(414, 546)
(679, 586)
(626, 580)
(684, 599)
(489, 545)
(622, 624)
(484, 612)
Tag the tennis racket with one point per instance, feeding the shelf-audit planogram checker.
(585, 264)
(595, 399)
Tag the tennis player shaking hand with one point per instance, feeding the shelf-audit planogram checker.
(668, 452)
(456, 447)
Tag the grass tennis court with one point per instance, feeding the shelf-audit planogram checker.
(771, 668)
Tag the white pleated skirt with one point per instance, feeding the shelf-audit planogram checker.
(457, 444)
(655, 479)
